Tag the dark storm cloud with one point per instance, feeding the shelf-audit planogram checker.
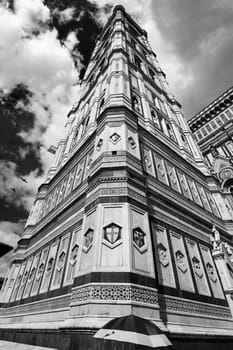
(19, 155)
(83, 23)
(15, 118)
(200, 33)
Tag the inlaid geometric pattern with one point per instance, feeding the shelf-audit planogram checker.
(111, 292)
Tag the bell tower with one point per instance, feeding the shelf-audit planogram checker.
(122, 223)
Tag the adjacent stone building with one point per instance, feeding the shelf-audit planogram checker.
(212, 128)
(130, 219)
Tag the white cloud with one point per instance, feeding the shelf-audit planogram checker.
(39, 61)
(66, 15)
(32, 54)
(31, 13)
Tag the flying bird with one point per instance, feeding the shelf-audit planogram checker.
(24, 180)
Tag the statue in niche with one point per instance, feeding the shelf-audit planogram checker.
(180, 261)
(59, 268)
(72, 262)
(48, 273)
(197, 266)
(30, 280)
(211, 272)
(163, 255)
(215, 238)
(38, 277)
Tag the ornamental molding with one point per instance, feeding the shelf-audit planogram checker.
(62, 302)
(125, 293)
(111, 292)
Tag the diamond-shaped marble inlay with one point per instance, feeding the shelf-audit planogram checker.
(115, 137)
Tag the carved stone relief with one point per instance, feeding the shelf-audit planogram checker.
(163, 255)
(180, 261)
(197, 267)
(112, 233)
(139, 239)
(211, 272)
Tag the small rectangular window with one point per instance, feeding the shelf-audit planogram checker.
(208, 127)
(213, 124)
(199, 135)
(223, 117)
(218, 121)
(204, 131)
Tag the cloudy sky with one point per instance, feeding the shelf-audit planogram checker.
(44, 49)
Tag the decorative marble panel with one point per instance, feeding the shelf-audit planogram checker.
(49, 267)
(162, 256)
(24, 278)
(87, 242)
(88, 164)
(70, 181)
(79, 173)
(184, 185)
(60, 262)
(148, 161)
(160, 169)
(140, 235)
(198, 268)
(211, 272)
(39, 272)
(203, 197)
(11, 281)
(212, 204)
(173, 177)
(18, 282)
(63, 189)
(194, 192)
(72, 258)
(31, 276)
(112, 253)
(181, 263)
